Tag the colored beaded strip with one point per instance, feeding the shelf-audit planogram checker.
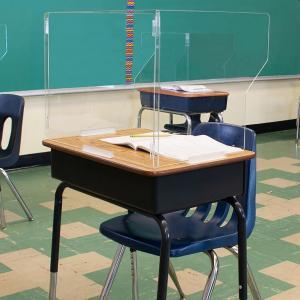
(129, 40)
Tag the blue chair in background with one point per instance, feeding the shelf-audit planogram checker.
(202, 229)
(298, 123)
(11, 107)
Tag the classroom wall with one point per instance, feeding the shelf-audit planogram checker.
(267, 101)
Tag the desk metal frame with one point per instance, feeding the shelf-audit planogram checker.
(152, 196)
(187, 117)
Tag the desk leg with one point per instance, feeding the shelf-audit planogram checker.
(164, 258)
(139, 117)
(242, 244)
(55, 239)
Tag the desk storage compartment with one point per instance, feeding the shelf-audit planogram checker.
(186, 104)
(149, 194)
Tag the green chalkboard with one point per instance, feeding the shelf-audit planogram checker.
(94, 54)
(22, 59)
(212, 45)
(23, 66)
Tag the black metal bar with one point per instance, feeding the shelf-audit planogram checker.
(164, 258)
(56, 227)
(242, 244)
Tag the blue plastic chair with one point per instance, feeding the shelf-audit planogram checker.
(11, 106)
(207, 227)
(298, 124)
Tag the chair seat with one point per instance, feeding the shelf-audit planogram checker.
(189, 234)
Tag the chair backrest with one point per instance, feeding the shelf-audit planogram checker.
(237, 136)
(11, 106)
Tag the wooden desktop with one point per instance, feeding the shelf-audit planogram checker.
(182, 94)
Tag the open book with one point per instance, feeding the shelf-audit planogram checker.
(188, 148)
(186, 88)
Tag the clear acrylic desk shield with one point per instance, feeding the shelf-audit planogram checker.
(3, 41)
(97, 62)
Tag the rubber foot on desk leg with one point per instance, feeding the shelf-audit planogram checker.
(53, 283)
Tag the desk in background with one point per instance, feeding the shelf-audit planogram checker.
(128, 179)
(189, 105)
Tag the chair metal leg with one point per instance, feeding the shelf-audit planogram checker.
(212, 277)
(2, 214)
(298, 124)
(216, 117)
(221, 119)
(133, 259)
(250, 277)
(112, 272)
(174, 278)
(17, 195)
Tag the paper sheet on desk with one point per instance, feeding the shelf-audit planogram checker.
(186, 88)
